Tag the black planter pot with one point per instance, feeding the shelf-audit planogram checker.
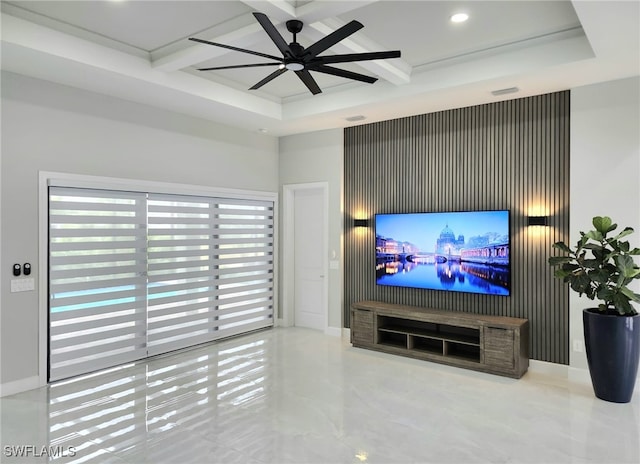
(613, 351)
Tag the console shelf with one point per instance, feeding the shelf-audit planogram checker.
(498, 345)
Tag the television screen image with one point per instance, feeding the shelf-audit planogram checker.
(456, 251)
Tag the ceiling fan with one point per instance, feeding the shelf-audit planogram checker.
(302, 60)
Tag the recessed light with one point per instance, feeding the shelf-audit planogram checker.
(459, 17)
(262, 130)
(358, 117)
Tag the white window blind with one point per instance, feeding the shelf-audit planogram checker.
(243, 257)
(135, 274)
(97, 281)
(210, 269)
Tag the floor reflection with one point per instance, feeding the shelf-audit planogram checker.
(121, 410)
(299, 396)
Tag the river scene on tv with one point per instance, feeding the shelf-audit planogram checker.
(457, 251)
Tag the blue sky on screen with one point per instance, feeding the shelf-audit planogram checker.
(423, 229)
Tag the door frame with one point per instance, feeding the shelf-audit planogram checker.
(288, 258)
(62, 179)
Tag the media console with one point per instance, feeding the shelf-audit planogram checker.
(493, 344)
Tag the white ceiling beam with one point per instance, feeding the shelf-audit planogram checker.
(319, 10)
(278, 10)
(243, 32)
(102, 61)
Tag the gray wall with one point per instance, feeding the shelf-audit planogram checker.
(510, 155)
(604, 154)
(317, 157)
(605, 171)
(55, 128)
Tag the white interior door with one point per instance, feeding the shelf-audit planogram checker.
(309, 299)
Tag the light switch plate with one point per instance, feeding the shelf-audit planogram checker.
(22, 285)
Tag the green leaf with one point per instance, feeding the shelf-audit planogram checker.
(601, 266)
(621, 281)
(581, 283)
(601, 276)
(626, 231)
(556, 260)
(633, 274)
(600, 254)
(591, 263)
(605, 294)
(562, 246)
(621, 302)
(625, 265)
(629, 294)
(570, 267)
(593, 235)
(602, 224)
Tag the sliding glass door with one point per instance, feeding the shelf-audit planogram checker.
(210, 269)
(138, 274)
(97, 279)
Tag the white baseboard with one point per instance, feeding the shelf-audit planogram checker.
(333, 331)
(543, 367)
(560, 371)
(19, 386)
(572, 374)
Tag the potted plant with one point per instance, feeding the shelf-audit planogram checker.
(602, 267)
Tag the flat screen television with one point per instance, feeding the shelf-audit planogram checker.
(464, 251)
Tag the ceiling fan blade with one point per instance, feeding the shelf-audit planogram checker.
(343, 73)
(239, 66)
(333, 38)
(269, 78)
(251, 52)
(355, 57)
(273, 33)
(309, 81)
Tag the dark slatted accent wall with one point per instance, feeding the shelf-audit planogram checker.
(510, 155)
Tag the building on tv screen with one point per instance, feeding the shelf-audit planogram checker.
(457, 251)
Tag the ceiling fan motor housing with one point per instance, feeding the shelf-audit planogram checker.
(294, 26)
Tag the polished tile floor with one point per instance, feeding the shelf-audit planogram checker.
(298, 396)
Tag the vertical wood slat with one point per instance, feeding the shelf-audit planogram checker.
(509, 155)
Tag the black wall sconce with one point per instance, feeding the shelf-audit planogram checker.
(538, 220)
(361, 223)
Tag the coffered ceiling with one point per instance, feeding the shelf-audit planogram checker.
(139, 50)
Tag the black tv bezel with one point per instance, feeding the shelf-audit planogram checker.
(463, 292)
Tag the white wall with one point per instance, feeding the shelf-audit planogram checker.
(605, 171)
(605, 175)
(48, 127)
(317, 157)
(54, 128)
